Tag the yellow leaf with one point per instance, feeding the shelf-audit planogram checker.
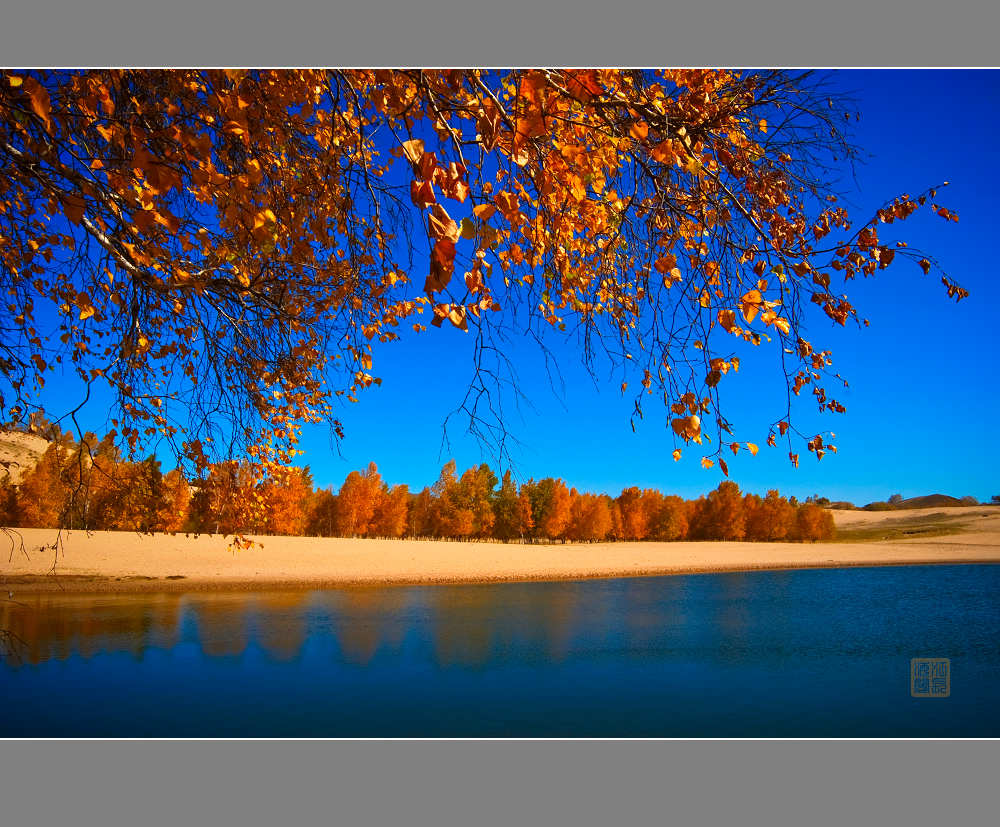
(86, 312)
(706, 462)
(753, 449)
(677, 454)
(484, 211)
(15, 81)
(413, 150)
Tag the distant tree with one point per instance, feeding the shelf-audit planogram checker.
(357, 500)
(670, 522)
(390, 518)
(173, 508)
(525, 517)
(590, 517)
(44, 494)
(551, 509)
(445, 518)
(475, 493)
(813, 523)
(10, 514)
(771, 519)
(895, 499)
(720, 516)
(506, 522)
(286, 498)
(637, 509)
(322, 513)
(221, 502)
(420, 521)
(969, 500)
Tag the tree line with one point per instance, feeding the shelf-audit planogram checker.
(88, 485)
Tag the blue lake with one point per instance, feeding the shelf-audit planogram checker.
(781, 653)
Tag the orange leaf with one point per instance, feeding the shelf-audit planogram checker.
(442, 225)
(457, 317)
(665, 263)
(750, 304)
(583, 84)
(677, 454)
(706, 462)
(422, 193)
(753, 449)
(41, 105)
(484, 211)
(413, 150)
(73, 206)
(723, 466)
(727, 318)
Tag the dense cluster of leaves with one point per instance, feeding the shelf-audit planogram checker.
(225, 249)
(89, 486)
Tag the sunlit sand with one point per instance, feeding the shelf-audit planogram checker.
(121, 561)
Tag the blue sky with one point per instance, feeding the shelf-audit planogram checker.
(922, 397)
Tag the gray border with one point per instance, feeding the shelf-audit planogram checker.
(503, 783)
(512, 32)
(481, 783)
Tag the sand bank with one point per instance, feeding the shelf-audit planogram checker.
(122, 561)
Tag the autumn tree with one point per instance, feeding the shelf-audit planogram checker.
(10, 514)
(506, 523)
(813, 523)
(321, 513)
(475, 494)
(670, 520)
(228, 251)
(550, 507)
(391, 513)
(286, 499)
(771, 519)
(420, 521)
(525, 516)
(357, 501)
(223, 500)
(720, 515)
(445, 518)
(590, 517)
(43, 495)
(173, 508)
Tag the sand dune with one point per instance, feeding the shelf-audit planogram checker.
(121, 561)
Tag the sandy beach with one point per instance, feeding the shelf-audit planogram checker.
(128, 562)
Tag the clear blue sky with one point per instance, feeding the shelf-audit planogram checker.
(923, 394)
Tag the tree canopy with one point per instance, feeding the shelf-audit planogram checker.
(228, 250)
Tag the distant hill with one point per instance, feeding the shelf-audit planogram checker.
(19, 453)
(927, 501)
(930, 501)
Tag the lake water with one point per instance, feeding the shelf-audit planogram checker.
(779, 653)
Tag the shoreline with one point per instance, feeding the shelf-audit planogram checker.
(27, 585)
(125, 562)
